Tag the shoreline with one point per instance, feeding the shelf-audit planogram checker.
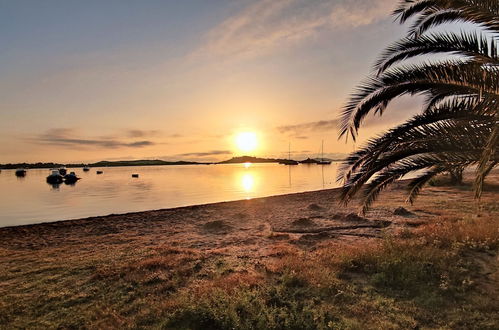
(97, 217)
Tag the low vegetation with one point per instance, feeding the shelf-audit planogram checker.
(432, 277)
(439, 275)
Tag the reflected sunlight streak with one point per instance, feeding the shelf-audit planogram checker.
(248, 182)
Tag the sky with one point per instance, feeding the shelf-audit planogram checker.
(83, 81)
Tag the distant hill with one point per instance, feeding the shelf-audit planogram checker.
(249, 159)
(103, 163)
(154, 162)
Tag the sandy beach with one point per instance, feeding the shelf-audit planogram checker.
(246, 229)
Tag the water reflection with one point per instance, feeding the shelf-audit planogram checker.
(158, 187)
(54, 186)
(247, 182)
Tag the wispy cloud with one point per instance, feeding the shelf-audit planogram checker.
(266, 25)
(315, 126)
(68, 137)
(206, 154)
(138, 133)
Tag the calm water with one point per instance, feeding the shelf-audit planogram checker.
(31, 200)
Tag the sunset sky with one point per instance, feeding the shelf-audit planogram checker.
(82, 81)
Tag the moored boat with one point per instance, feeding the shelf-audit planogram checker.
(99, 172)
(71, 178)
(135, 175)
(55, 177)
(322, 160)
(20, 172)
(86, 169)
(288, 161)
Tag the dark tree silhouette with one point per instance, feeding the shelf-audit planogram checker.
(458, 125)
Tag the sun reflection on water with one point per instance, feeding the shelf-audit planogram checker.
(248, 182)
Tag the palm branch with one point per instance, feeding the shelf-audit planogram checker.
(458, 125)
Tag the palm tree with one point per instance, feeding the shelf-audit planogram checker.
(458, 125)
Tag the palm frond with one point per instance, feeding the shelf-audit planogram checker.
(473, 45)
(466, 78)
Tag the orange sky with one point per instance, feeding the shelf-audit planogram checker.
(83, 82)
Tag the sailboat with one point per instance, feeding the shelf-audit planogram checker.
(289, 161)
(323, 161)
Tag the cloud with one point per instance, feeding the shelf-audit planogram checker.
(321, 125)
(137, 133)
(267, 25)
(205, 154)
(67, 137)
(399, 111)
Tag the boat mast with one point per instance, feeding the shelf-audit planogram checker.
(322, 151)
(289, 151)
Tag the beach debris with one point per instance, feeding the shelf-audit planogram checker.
(315, 207)
(403, 212)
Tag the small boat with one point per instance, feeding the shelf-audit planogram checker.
(135, 175)
(71, 178)
(55, 177)
(322, 160)
(20, 172)
(63, 171)
(288, 161)
(99, 172)
(86, 169)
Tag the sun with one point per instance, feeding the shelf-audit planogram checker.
(246, 141)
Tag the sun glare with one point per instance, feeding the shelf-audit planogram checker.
(246, 141)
